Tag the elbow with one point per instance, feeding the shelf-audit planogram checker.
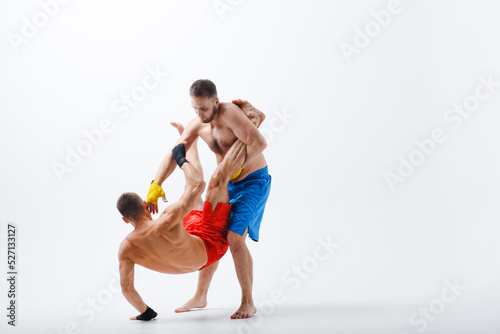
(262, 145)
(258, 145)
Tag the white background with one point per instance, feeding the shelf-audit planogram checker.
(348, 123)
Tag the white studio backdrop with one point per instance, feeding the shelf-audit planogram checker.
(383, 138)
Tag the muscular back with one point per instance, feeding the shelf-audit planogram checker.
(172, 251)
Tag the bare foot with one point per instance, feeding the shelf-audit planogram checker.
(254, 114)
(191, 304)
(178, 126)
(244, 312)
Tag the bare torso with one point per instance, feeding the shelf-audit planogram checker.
(220, 138)
(176, 251)
(170, 252)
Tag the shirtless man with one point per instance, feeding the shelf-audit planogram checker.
(188, 235)
(220, 125)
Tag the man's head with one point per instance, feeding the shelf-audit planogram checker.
(132, 207)
(204, 99)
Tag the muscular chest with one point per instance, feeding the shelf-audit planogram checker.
(219, 140)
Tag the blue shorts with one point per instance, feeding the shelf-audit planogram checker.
(248, 199)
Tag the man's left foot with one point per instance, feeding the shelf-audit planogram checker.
(191, 304)
(244, 312)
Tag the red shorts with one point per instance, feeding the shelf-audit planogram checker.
(211, 227)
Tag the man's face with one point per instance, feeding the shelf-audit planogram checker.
(205, 107)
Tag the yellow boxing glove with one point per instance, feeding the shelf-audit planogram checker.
(236, 174)
(155, 192)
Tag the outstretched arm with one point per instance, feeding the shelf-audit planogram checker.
(127, 284)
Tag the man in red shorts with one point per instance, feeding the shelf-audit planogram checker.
(189, 235)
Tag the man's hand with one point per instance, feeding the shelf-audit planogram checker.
(155, 192)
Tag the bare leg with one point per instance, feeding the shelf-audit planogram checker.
(193, 158)
(216, 193)
(243, 264)
(217, 188)
(242, 258)
(199, 300)
(244, 270)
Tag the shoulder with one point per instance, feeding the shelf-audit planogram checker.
(194, 125)
(228, 107)
(229, 112)
(125, 249)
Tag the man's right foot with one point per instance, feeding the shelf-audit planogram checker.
(191, 304)
(255, 115)
(245, 311)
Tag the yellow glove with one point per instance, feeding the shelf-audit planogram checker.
(155, 192)
(236, 174)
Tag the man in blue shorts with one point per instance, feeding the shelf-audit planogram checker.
(220, 124)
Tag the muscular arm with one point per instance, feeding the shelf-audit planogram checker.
(127, 280)
(247, 132)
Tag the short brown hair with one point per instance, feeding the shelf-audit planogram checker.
(203, 88)
(130, 205)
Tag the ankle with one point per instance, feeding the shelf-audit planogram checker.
(200, 296)
(247, 301)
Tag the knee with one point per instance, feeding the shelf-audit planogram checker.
(236, 241)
